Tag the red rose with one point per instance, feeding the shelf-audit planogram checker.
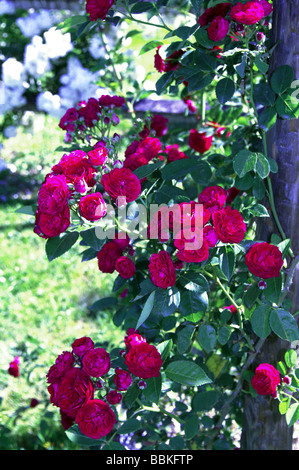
(96, 362)
(199, 142)
(159, 61)
(265, 379)
(74, 389)
(268, 7)
(97, 156)
(122, 239)
(172, 61)
(90, 112)
(82, 345)
(210, 235)
(107, 257)
(52, 225)
(113, 397)
(111, 101)
(161, 270)
(14, 367)
(194, 256)
(95, 419)
(232, 193)
(264, 260)
(213, 198)
(229, 225)
(67, 122)
(122, 379)
(218, 29)
(144, 361)
(133, 339)
(98, 9)
(53, 194)
(248, 13)
(64, 362)
(159, 124)
(125, 267)
(76, 165)
(92, 207)
(122, 182)
(174, 153)
(211, 13)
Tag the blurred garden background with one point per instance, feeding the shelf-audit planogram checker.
(45, 306)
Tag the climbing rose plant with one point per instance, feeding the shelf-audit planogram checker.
(194, 290)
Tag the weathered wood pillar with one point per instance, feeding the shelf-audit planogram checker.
(264, 428)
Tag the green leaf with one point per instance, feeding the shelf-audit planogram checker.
(224, 333)
(267, 118)
(250, 295)
(57, 246)
(150, 45)
(131, 425)
(284, 325)
(227, 261)
(262, 166)
(166, 301)
(186, 373)
(141, 7)
(178, 169)
(77, 437)
(258, 210)
(164, 348)
(290, 358)
(164, 81)
(195, 282)
(103, 304)
(197, 6)
(273, 289)
(262, 94)
(152, 392)
(292, 414)
(131, 395)
(205, 401)
(146, 170)
(207, 337)
(148, 306)
(262, 66)
(27, 210)
(113, 445)
(287, 106)
(244, 162)
(225, 90)
(91, 239)
(184, 338)
(260, 321)
(281, 78)
(193, 302)
(191, 426)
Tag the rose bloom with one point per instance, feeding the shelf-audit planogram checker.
(144, 361)
(14, 367)
(213, 198)
(82, 345)
(90, 112)
(248, 13)
(194, 256)
(159, 61)
(114, 397)
(268, 7)
(161, 270)
(52, 225)
(98, 9)
(122, 182)
(125, 267)
(96, 362)
(76, 165)
(63, 363)
(66, 420)
(229, 225)
(107, 257)
(265, 379)
(111, 101)
(159, 124)
(232, 193)
(74, 389)
(122, 379)
(264, 260)
(199, 142)
(133, 339)
(174, 153)
(92, 207)
(210, 235)
(95, 419)
(53, 194)
(218, 29)
(97, 156)
(67, 122)
(211, 13)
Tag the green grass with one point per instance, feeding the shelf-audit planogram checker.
(43, 306)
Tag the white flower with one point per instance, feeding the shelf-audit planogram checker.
(49, 103)
(58, 44)
(6, 8)
(36, 60)
(12, 72)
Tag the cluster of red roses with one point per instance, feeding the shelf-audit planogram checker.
(86, 114)
(75, 377)
(220, 222)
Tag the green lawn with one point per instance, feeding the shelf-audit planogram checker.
(43, 306)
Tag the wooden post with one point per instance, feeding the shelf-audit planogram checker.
(264, 428)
